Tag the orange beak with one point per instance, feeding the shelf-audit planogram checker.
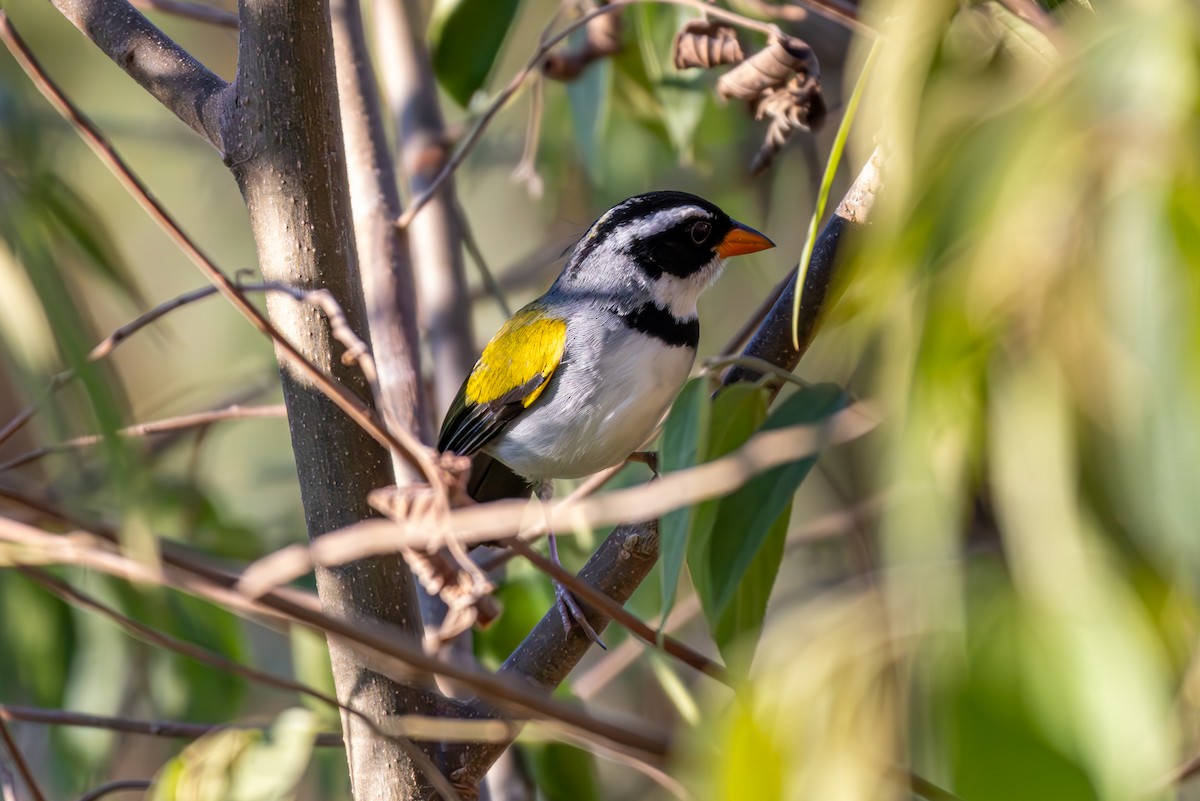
(742, 239)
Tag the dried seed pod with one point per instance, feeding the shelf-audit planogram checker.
(602, 37)
(770, 67)
(703, 43)
(798, 105)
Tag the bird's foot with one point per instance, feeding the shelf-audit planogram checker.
(570, 611)
(648, 458)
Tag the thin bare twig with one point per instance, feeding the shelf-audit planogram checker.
(399, 441)
(22, 766)
(193, 11)
(118, 786)
(150, 728)
(389, 655)
(205, 656)
(589, 595)
(168, 425)
(531, 66)
(613, 663)
(503, 519)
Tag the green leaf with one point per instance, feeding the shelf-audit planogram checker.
(735, 560)
(736, 414)
(744, 612)
(466, 36)
(754, 510)
(589, 96)
(684, 438)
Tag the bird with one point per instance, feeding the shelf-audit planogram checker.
(578, 380)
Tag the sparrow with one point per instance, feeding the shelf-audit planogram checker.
(579, 379)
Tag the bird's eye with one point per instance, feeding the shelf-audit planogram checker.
(700, 232)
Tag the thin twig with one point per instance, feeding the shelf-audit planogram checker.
(531, 66)
(526, 171)
(118, 786)
(205, 656)
(839, 12)
(22, 766)
(193, 11)
(149, 728)
(168, 425)
(503, 519)
(399, 441)
(378, 642)
(613, 663)
(589, 595)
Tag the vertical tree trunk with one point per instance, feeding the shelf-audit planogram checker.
(285, 149)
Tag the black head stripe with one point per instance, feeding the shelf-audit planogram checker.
(642, 206)
(655, 321)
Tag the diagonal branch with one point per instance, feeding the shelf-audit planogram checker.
(196, 95)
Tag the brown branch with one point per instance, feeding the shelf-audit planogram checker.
(169, 73)
(389, 298)
(615, 662)
(22, 766)
(399, 440)
(150, 728)
(384, 263)
(117, 786)
(773, 340)
(193, 11)
(379, 642)
(549, 653)
(588, 595)
(165, 426)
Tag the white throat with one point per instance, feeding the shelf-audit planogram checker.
(680, 295)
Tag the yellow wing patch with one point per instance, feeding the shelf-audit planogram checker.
(530, 344)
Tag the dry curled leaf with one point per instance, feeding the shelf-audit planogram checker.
(448, 573)
(602, 37)
(770, 67)
(703, 43)
(782, 83)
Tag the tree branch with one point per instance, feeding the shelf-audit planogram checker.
(383, 260)
(549, 653)
(117, 786)
(287, 155)
(435, 239)
(773, 340)
(169, 73)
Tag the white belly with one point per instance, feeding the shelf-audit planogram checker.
(596, 410)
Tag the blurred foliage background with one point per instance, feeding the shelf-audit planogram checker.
(996, 590)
